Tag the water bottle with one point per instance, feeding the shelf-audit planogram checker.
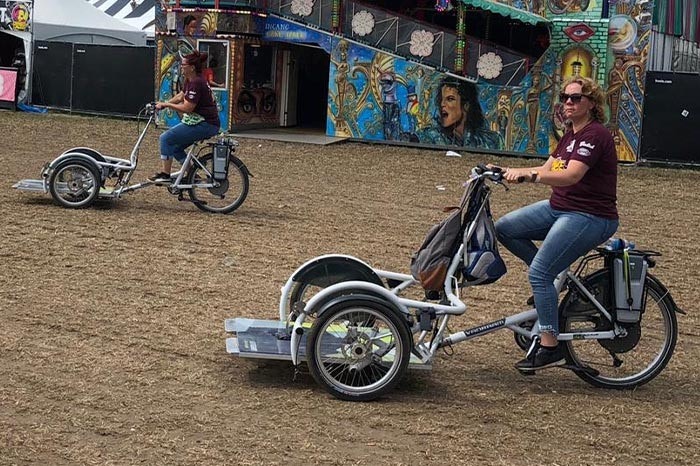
(618, 244)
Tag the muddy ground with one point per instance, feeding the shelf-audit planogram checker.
(112, 341)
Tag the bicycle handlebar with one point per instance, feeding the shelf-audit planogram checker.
(494, 173)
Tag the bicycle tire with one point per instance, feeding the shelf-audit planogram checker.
(75, 183)
(358, 348)
(640, 359)
(214, 199)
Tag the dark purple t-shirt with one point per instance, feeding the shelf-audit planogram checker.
(199, 93)
(596, 192)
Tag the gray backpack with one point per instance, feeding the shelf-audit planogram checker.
(481, 263)
(430, 263)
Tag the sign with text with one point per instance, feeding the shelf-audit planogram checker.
(276, 29)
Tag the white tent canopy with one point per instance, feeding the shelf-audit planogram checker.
(140, 14)
(79, 22)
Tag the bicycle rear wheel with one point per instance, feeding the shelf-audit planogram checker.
(227, 195)
(624, 362)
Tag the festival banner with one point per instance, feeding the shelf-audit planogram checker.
(277, 29)
(15, 15)
(8, 83)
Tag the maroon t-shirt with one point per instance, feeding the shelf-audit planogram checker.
(596, 192)
(198, 92)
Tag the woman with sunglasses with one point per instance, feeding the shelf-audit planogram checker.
(580, 214)
(200, 116)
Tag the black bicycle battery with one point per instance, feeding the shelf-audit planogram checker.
(220, 165)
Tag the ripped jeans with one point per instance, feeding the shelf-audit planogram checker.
(565, 237)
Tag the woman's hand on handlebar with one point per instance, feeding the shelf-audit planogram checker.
(161, 105)
(517, 175)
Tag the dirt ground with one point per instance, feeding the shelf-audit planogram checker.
(112, 346)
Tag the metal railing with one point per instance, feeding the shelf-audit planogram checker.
(670, 53)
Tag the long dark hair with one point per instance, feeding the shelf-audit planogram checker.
(197, 59)
(469, 100)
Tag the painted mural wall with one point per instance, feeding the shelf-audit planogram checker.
(376, 96)
(243, 97)
(382, 96)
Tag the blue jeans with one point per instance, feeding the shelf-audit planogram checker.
(565, 237)
(174, 141)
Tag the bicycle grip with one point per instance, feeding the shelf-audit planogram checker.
(521, 179)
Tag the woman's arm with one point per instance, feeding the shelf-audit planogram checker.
(177, 103)
(177, 98)
(572, 174)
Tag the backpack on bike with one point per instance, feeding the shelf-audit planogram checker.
(481, 262)
(430, 263)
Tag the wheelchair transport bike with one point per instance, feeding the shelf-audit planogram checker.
(211, 177)
(358, 333)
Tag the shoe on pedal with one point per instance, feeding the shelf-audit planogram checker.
(543, 359)
(160, 177)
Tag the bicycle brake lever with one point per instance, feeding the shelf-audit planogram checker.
(505, 186)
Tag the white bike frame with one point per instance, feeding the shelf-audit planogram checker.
(128, 166)
(423, 347)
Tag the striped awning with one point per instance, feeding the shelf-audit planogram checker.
(504, 9)
(679, 18)
(140, 14)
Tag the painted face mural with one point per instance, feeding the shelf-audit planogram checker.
(567, 6)
(256, 105)
(189, 25)
(20, 17)
(450, 107)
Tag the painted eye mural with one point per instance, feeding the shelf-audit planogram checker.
(256, 105)
(579, 32)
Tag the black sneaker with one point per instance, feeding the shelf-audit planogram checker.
(159, 177)
(544, 358)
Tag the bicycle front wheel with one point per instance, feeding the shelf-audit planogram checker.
(226, 195)
(358, 349)
(75, 183)
(623, 362)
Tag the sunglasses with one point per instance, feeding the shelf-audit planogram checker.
(575, 98)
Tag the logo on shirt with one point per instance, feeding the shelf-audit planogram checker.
(558, 165)
(191, 94)
(587, 145)
(583, 151)
(570, 147)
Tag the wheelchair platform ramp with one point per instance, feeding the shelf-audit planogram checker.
(269, 339)
(36, 186)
